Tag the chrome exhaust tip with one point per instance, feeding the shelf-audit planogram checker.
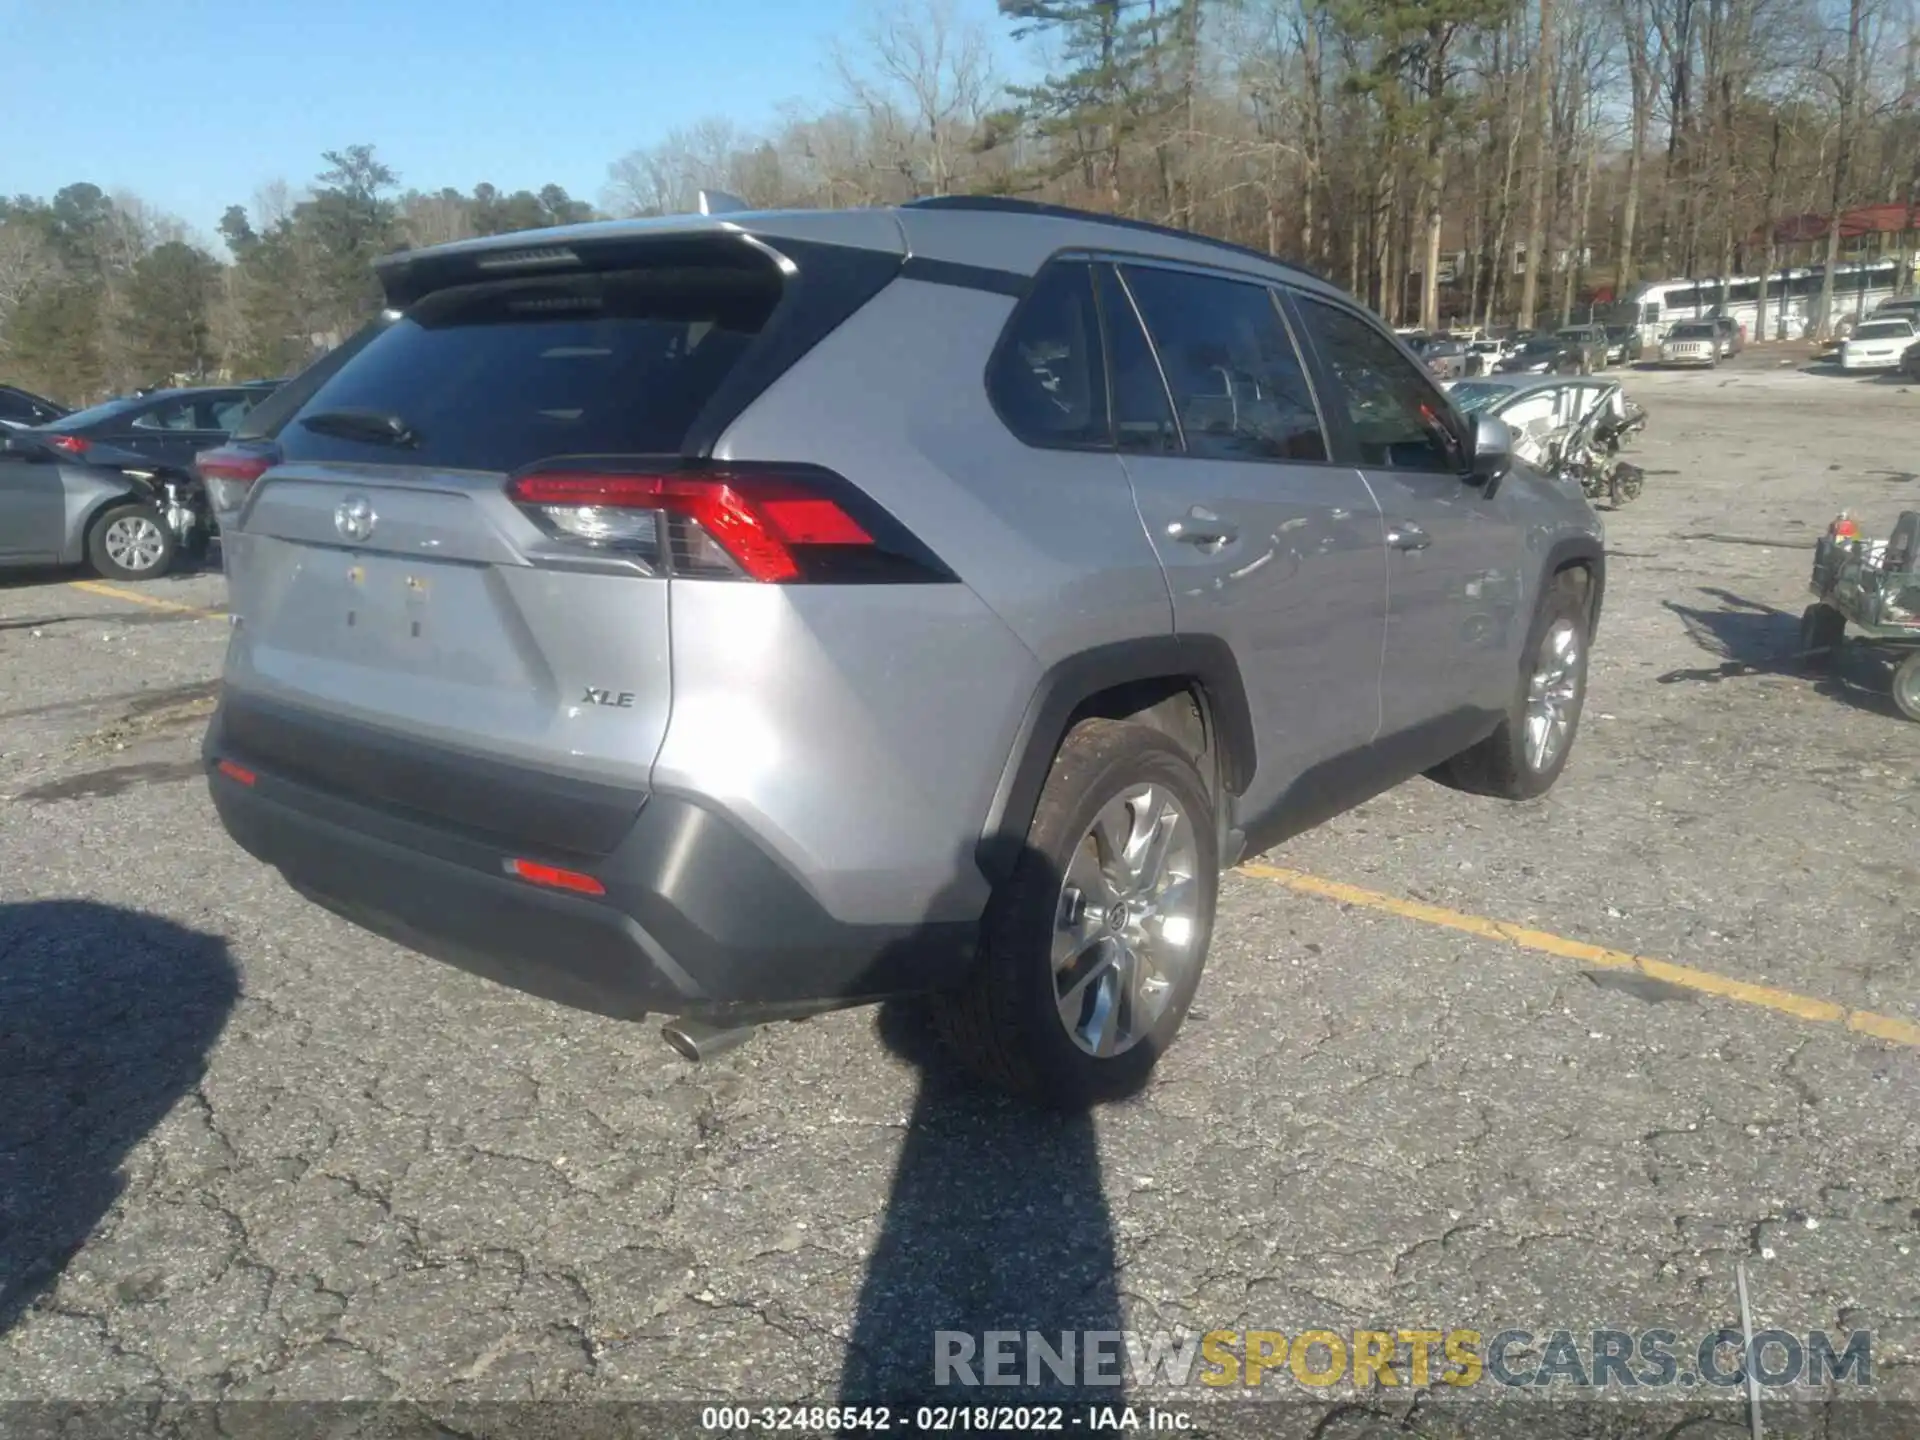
(694, 1041)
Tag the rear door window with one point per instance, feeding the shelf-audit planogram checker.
(1237, 382)
(497, 376)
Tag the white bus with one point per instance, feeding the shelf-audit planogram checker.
(1793, 298)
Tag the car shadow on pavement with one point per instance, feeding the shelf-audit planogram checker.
(997, 1221)
(106, 1020)
(1756, 639)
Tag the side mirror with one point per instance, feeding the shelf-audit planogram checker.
(1492, 451)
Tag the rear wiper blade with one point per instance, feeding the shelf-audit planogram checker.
(373, 426)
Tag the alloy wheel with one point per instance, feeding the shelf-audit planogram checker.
(1126, 928)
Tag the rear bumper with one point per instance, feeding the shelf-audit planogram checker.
(697, 919)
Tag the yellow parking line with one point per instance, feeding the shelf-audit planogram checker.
(1704, 982)
(114, 592)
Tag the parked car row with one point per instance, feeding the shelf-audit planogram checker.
(113, 486)
(1571, 350)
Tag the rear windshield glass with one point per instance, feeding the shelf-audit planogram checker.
(497, 376)
(93, 415)
(1475, 398)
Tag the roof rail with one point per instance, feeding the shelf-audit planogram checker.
(1013, 205)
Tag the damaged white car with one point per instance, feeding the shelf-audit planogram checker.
(1543, 409)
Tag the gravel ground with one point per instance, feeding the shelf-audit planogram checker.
(247, 1152)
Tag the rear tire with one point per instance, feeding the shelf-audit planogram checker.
(1822, 630)
(1906, 686)
(1523, 758)
(1099, 936)
(130, 542)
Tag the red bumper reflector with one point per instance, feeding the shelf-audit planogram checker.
(555, 878)
(236, 772)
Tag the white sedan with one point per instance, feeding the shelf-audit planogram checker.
(1877, 345)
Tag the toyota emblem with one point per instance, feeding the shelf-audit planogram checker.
(354, 517)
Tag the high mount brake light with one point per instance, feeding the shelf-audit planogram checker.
(762, 525)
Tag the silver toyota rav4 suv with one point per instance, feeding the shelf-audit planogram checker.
(739, 616)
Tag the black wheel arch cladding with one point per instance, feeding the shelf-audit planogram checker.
(1203, 663)
(1581, 552)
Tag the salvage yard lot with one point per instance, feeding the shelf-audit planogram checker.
(248, 1151)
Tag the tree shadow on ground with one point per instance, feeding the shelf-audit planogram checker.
(106, 1020)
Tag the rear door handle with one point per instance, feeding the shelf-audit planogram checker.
(1200, 526)
(1403, 536)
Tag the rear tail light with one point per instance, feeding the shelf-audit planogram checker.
(775, 525)
(229, 472)
(71, 444)
(237, 773)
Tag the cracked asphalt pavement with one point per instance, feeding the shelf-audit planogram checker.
(248, 1152)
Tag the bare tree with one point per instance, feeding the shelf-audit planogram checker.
(1847, 94)
(1542, 151)
(436, 219)
(1640, 44)
(26, 261)
(666, 179)
(923, 80)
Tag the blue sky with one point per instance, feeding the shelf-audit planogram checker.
(194, 104)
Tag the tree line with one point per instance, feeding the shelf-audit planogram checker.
(1420, 153)
(100, 294)
(1463, 160)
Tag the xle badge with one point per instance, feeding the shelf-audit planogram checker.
(622, 701)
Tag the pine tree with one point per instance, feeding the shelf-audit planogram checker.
(1111, 89)
(170, 298)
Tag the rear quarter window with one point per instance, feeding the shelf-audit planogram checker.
(499, 375)
(1047, 379)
